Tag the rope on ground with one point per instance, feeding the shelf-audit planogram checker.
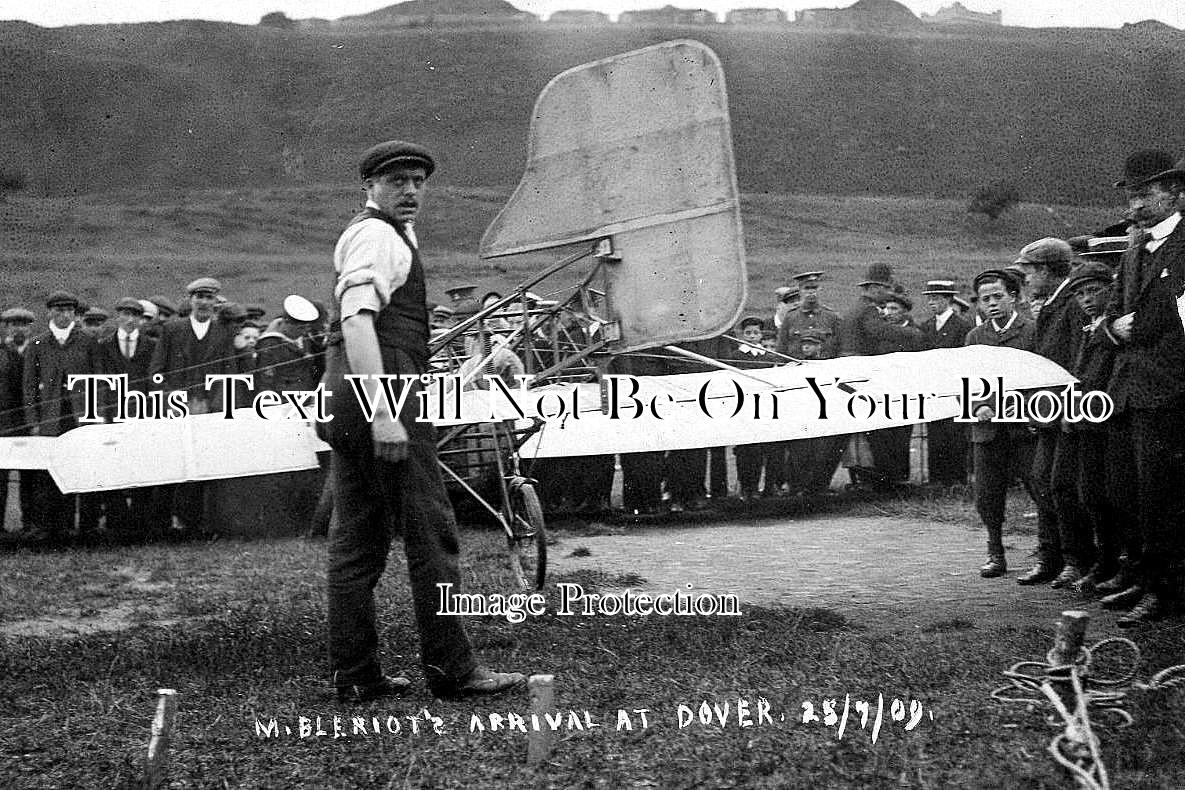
(1098, 679)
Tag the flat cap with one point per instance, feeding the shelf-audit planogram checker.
(62, 298)
(808, 277)
(204, 285)
(442, 309)
(1045, 251)
(1088, 272)
(782, 290)
(150, 308)
(17, 315)
(255, 311)
(940, 288)
(394, 153)
(1011, 283)
(130, 305)
(95, 314)
(231, 311)
(298, 308)
(901, 298)
(163, 303)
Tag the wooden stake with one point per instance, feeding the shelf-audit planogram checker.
(1071, 631)
(540, 742)
(156, 761)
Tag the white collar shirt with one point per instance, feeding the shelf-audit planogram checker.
(1161, 231)
(200, 328)
(61, 335)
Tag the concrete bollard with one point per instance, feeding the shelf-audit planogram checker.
(540, 742)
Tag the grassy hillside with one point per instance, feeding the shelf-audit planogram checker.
(265, 244)
(931, 113)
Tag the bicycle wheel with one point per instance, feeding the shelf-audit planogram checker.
(528, 541)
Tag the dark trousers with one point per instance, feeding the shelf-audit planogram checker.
(641, 481)
(1076, 533)
(685, 472)
(775, 467)
(1108, 519)
(750, 458)
(997, 463)
(1156, 455)
(717, 471)
(1054, 490)
(375, 500)
(946, 446)
(890, 452)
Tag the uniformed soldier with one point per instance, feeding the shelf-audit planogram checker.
(810, 317)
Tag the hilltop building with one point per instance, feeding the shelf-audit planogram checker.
(668, 15)
(755, 16)
(863, 15)
(959, 14)
(578, 17)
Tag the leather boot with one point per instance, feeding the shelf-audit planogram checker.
(995, 566)
(1068, 576)
(1039, 574)
(1149, 609)
(1124, 598)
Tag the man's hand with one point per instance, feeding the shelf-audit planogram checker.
(390, 439)
(1121, 327)
(985, 413)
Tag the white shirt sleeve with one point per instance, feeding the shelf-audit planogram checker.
(371, 263)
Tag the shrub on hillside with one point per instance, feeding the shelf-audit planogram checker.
(994, 199)
(277, 19)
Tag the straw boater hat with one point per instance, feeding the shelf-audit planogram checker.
(940, 288)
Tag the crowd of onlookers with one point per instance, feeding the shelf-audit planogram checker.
(1109, 307)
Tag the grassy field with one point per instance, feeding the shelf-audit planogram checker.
(264, 244)
(236, 629)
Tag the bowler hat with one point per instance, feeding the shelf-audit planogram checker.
(61, 299)
(878, 274)
(394, 153)
(1144, 167)
(1087, 272)
(1044, 252)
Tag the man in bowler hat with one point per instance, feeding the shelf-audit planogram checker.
(1148, 382)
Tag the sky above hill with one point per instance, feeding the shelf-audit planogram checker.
(1027, 13)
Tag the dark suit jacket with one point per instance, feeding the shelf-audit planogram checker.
(12, 391)
(864, 330)
(1059, 329)
(1094, 362)
(952, 334)
(1019, 335)
(185, 361)
(1150, 368)
(48, 364)
(112, 361)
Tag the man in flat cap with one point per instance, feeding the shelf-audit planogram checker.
(1001, 452)
(1108, 511)
(946, 440)
(1148, 382)
(1065, 547)
(50, 408)
(14, 337)
(189, 349)
(385, 471)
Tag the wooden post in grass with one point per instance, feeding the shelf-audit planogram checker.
(540, 742)
(1071, 631)
(156, 761)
